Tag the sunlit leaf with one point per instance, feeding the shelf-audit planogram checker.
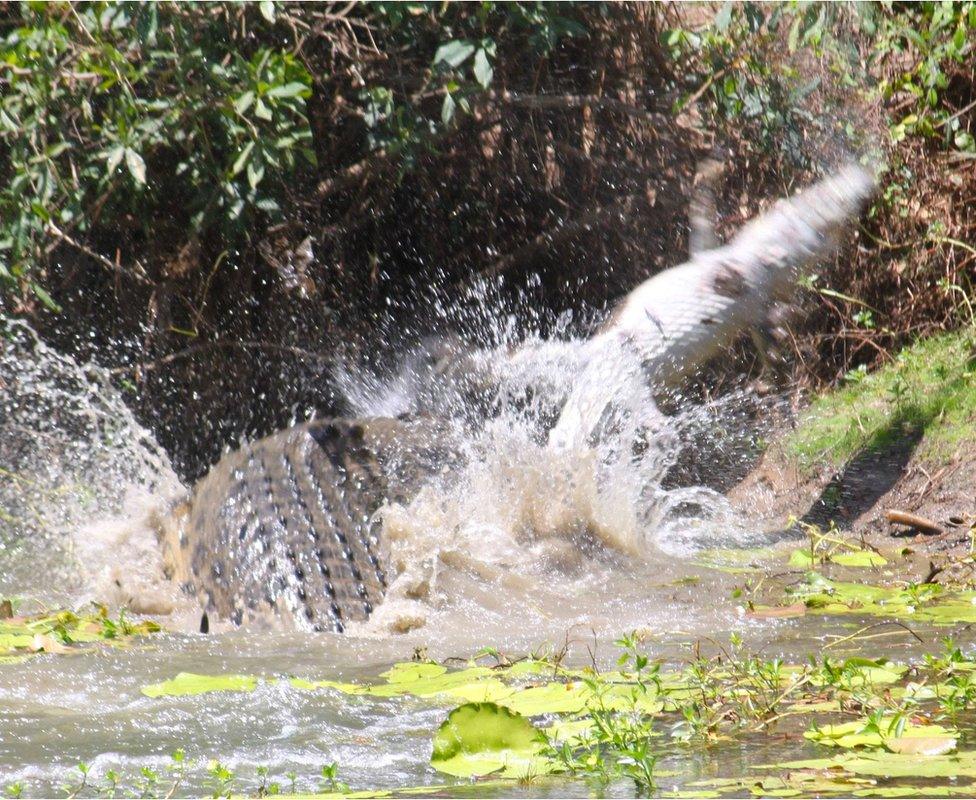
(45, 298)
(137, 167)
(483, 738)
(859, 558)
(243, 103)
(448, 108)
(454, 53)
(113, 158)
(911, 739)
(241, 159)
(294, 89)
(188, 683)
(483, 71)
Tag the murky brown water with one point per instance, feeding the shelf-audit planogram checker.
(56, 711)
(523, 553)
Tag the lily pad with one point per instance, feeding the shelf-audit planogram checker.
(485, 738)
(912, 739)
(859, 558)
(883, 764)
(854, 557)
(188, 683)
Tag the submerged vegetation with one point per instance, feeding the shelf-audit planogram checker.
(64, 631)
(533, 720)
(848, 722)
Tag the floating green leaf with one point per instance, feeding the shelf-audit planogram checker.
(912, 739)
(883, 764)
(484, 738)
(189, 683)
(849, 558)
(928, 602)
(859, 558)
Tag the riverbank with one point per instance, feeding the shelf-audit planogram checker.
(887, 456)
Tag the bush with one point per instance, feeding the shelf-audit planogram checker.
(110, 113)
(295, 183)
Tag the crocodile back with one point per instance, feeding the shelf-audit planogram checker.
(282, 531)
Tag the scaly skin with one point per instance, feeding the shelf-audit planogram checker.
(673, 323)
(280, 531)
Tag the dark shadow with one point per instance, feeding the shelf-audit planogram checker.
(870, 474)
(875, 469)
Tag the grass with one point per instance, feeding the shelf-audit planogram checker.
(928, 392)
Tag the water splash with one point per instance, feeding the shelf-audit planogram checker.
(80, 483)
(517, 530)
(521, 526)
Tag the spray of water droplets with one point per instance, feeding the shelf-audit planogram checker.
(80, 481)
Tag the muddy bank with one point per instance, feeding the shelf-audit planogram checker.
(882, 448)
(859, 497)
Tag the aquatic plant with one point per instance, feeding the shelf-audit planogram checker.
(65, 631)
(613, 736)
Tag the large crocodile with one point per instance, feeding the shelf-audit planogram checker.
(283, 529)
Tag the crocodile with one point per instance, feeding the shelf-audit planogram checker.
(679, 319)
(283, 531)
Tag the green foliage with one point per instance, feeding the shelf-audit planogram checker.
(109, 111)
(120, 118)
(893, 732)
(330, 779)
(927, 43)
(911, 53)
(64, 631)
(926, 390)
(737, 66)
(462, 65)
(615, 740)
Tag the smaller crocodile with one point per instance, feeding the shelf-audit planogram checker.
(673, 323)
(282, 531)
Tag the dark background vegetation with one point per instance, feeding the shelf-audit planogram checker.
(219, 202)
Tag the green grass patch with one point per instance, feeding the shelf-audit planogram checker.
(928, 392)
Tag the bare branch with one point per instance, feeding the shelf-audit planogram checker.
(137, 274)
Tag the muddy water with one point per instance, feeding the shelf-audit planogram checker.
(58, 711)
(523, 551)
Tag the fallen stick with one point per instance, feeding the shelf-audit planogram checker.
(913, 521)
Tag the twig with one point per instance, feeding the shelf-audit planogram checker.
(548, 238)
(896, 517)
(958, 114)
(933, 572)
(138, 274)
(867, 628)
(575, 101)
(148, 366)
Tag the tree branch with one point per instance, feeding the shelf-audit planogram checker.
(546, 240)
(138, 274)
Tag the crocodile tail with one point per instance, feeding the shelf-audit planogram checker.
(677, 319)
(804, 228)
